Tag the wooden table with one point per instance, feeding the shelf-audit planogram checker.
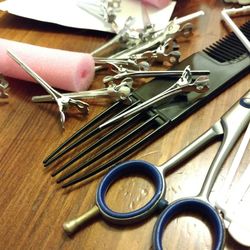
(33, 208)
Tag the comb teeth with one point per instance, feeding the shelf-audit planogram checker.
(230, 47)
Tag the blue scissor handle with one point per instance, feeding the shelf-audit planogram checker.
(195, 205)
(134, 166)
(245, 102)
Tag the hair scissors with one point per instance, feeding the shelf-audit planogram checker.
(225, 128)
(200, 204)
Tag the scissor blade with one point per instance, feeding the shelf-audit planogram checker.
(243, 184)
(239, 227)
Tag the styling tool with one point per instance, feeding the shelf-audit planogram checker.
(62, 101)
(229, 202)
(123, 90)
(97, 149)
(226, 130)
(131, 42)
(114, 92)
(230, 131)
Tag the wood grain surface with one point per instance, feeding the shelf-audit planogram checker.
(33, 207)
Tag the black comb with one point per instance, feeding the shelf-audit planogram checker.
(100, 148)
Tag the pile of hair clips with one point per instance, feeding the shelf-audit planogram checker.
(4, 86)
(122, 67)
(125, 128)
(133, 59)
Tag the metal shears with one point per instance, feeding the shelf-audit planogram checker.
(226, 129)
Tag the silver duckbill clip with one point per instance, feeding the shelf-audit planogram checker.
(184, 85)
(63, 102)
(113, 91)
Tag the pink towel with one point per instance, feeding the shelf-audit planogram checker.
(62, 69)
(157, 3)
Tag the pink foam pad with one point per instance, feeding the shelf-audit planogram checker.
(157, 3)
(62, 69)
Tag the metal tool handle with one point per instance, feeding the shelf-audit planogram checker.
(192, 148)
(121, 170)
(72, 225)
(237, 195)
(234, 122)
(156, 73)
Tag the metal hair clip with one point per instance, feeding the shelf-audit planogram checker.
(120, 38)
(4, 85)
(135, 63)
(106, 10)
(63, 102)
(166, 54)
(131, 42)
(123, 74)
(113, 92)
(122, 90)
(183, 85)
(172, 30)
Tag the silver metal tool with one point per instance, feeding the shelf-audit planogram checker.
(123, 73)
(121, 37)
(135, 44)
(164, 53)
(114, 92)
(160, 37)
(63, 102)
(184, 84)
(4, 85)
(135, 63)
(230, 207)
